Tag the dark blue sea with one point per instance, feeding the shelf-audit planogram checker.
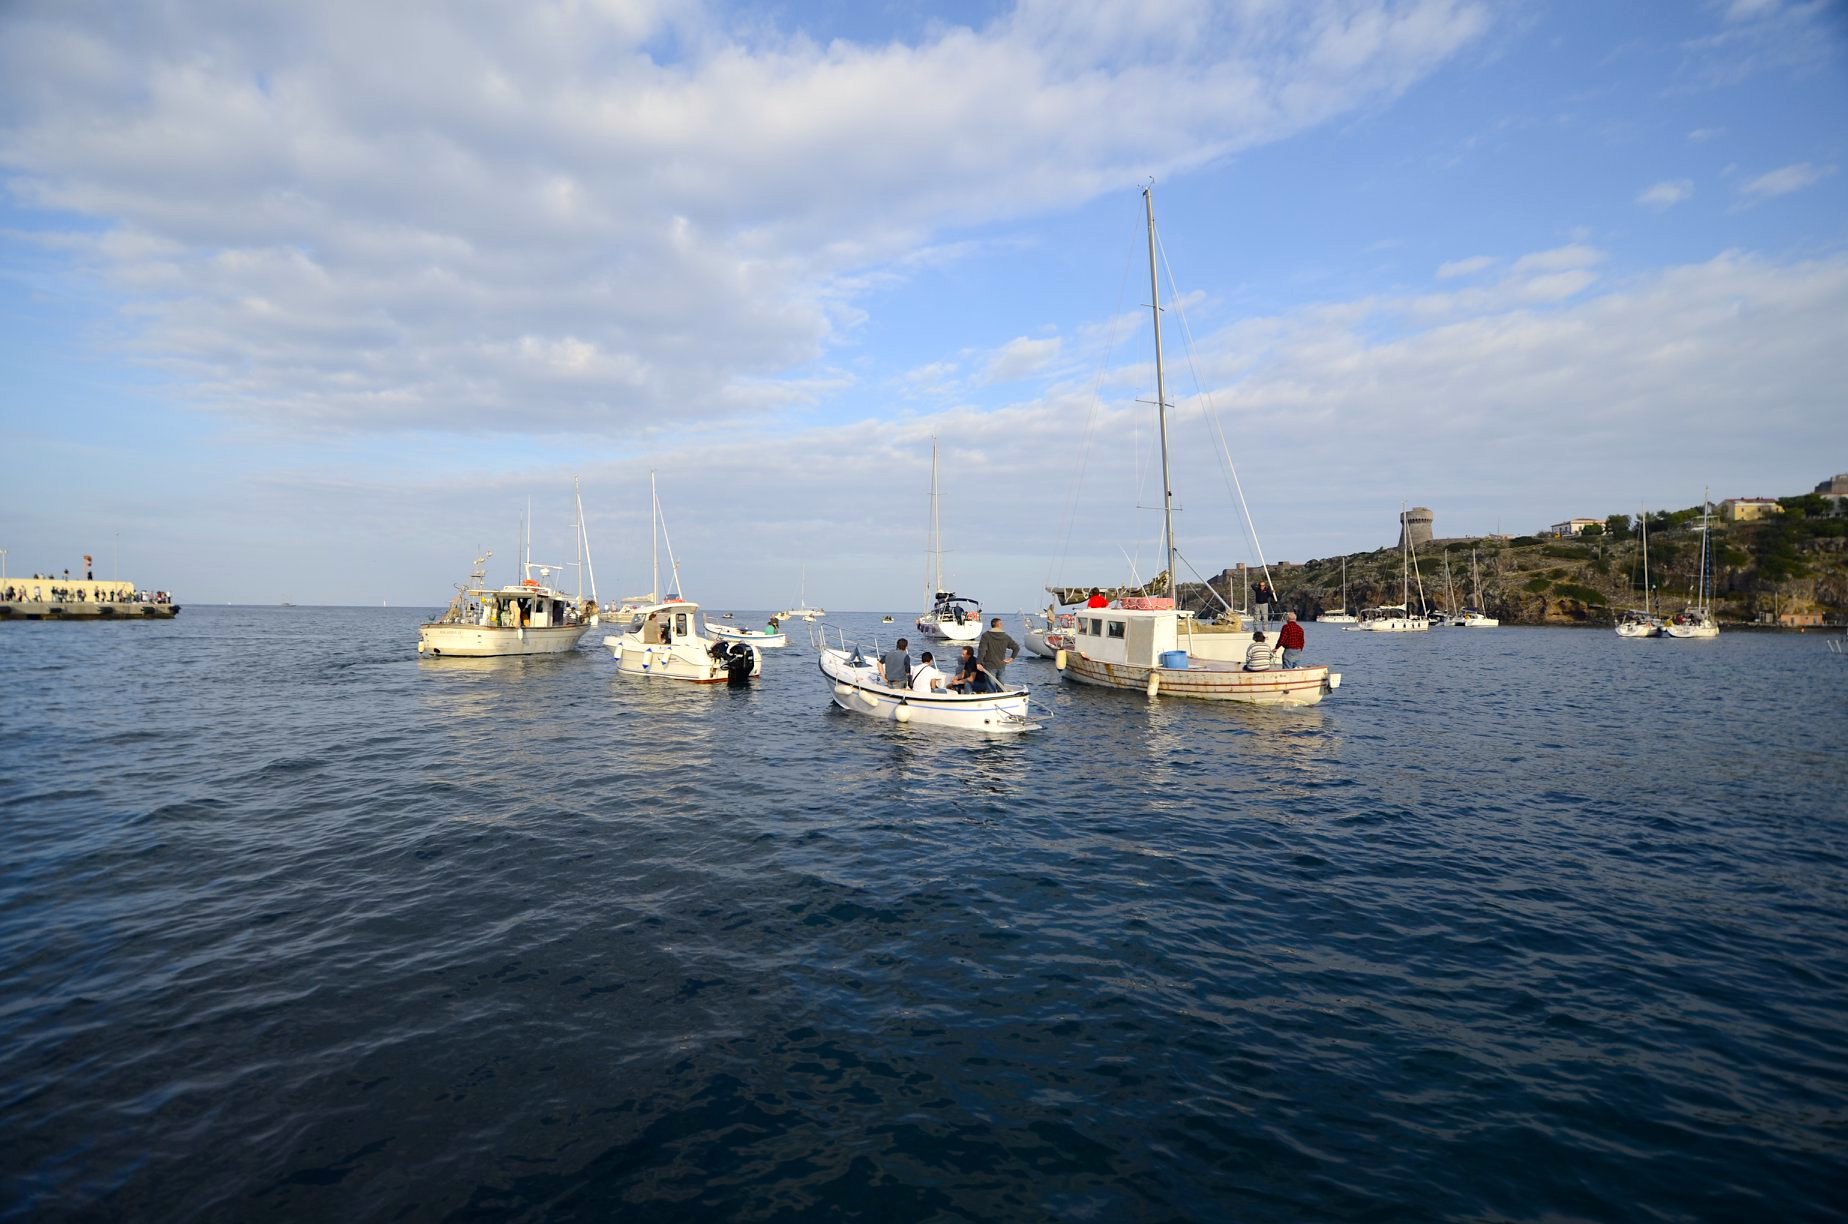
(1521, 924)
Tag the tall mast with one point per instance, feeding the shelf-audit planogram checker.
(654, 539)
(936, 525)
(1642, 513)
(1161, 398)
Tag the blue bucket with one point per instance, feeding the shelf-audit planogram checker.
(1174, 659)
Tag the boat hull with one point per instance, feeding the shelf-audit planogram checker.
(966, 630)
(1706, 630)
(488, 641)
(759, 638)
(684, 659)
(1336, 618)
(858, 690)
(1205, 681)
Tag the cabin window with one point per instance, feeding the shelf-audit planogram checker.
(1116, 629)
(1097, 627)
(680, 624)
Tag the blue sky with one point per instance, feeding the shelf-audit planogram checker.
(307, 302)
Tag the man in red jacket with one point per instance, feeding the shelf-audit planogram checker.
(1290, 637)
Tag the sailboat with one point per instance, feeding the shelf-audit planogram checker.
(1139, 644)
(951, 617)
(1473, 617)
(1340, 616)
(802, 611)
(1641, 622)
(670, 638)
(526, 617)
(1397, 618)
(1696, 621)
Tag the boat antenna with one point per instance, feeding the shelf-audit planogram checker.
(1161, 399)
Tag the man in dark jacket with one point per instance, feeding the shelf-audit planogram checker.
(994, 651)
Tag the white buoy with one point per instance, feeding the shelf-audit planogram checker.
(1154, 684)
(843, 690)
(1058, 660)
(903, 713)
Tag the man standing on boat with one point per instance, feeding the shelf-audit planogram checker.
(1290, 638)
(994, 652)
(1261, 596)
(895, 668)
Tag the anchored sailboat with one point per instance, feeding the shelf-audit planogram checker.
(1139, 644)
(951, 616)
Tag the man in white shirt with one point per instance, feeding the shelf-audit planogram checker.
(926, 678)
(1259, 656)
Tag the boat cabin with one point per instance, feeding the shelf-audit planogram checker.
(1137, 636)
(679, 617)
(523, 607)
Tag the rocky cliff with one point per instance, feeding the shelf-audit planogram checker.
(1761, 571)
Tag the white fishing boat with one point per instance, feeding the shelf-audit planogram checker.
(855, 686)
(527, 617)
(951, 617)
(1397, 618)
(771, 637)
(1139, 644)
(1341, 615)
(1049, 633)
(672, 641)
(1697, 620)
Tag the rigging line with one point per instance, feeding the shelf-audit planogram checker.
(1120, 325)
(1205, 582)
(1212, 416)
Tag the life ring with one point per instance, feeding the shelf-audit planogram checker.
(529, 582)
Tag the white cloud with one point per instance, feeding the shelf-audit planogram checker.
(1666, 194)
(1784, 180)
(1703, 135)
(1465, 267)
(370, 218)
(1020, 357)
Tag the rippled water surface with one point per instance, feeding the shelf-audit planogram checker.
(1521, 924)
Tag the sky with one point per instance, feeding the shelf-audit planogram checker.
(313, 302)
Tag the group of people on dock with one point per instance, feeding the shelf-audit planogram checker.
(62, 594)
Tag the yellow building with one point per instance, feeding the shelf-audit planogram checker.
(1748, 509)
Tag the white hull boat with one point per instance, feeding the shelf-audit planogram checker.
(1143, 644)
(1389, 620)
(1142, 650)
(528, 617)
(857, 688)
(952, 626)
(1639, 624)
(951, 618)
(689, 653)
(1697, 621)
(763, 639)
(1341, 616)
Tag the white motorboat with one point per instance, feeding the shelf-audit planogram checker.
(951, 617)
(1697, 620)
(528, 617)
(1140, 644)
(857, 688)
(1049, 633)
(771, 637)
(671, 640)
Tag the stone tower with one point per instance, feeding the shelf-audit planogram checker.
(1416, 523)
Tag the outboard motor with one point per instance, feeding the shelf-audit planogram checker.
(738, 666)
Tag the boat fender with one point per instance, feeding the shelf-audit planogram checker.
(871, 699)
(903, 713)
(1154, 684)
(1058, 660)
(420, 647)
(843, 690)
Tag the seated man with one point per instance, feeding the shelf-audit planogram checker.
(1259, 656)
(927, 678)
(968, 672)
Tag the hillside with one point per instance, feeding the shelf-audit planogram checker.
(1796, 563)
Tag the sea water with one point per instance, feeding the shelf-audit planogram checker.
(1519, 924)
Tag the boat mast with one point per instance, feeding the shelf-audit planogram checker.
(1642, 513)
(1161, 399)
(654, 539)
(936, 526)
(584, 547)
